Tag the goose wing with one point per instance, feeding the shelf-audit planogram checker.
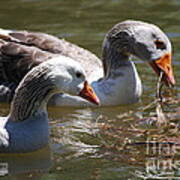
(16, 59)
(54, 45)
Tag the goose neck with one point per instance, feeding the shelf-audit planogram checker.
(113, 60)
(32, 95)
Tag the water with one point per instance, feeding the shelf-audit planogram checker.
(92, 143)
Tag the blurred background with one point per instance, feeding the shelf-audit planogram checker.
(91, 143)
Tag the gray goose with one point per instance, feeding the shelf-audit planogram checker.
(114, 78)
(25, 129)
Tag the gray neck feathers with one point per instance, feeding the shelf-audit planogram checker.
(117, 47)
(32, 94)
(114, 56)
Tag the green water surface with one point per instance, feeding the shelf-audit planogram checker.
(90, 143)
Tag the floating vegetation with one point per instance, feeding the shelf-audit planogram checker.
(155, 126)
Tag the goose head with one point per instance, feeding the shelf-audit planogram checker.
(145, 41)
(68, 76)
(57, 75)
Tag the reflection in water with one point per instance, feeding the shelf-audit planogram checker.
(74, 129)
(26, 164)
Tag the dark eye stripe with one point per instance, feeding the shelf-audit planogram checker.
(78, 75)
(160, 44)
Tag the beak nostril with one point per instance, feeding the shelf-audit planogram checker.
(168, 68)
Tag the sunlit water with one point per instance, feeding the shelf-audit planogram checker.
(91, 143)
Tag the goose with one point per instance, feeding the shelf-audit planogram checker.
(25, 129)
(114, 78)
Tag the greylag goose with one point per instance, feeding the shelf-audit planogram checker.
(114, 79)
(25, 129)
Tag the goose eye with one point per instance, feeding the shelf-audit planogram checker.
(79, 75)
(160, 44)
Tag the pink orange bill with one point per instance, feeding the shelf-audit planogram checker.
(88, 94)
(164, 64)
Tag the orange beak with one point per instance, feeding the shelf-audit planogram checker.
(164, 64)
(88, 94)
